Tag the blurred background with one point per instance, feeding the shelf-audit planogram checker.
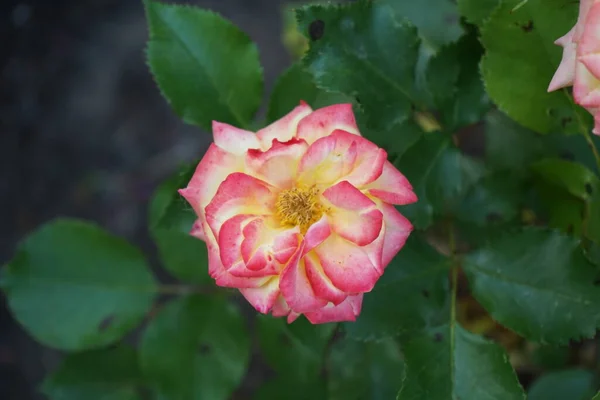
(85, 133)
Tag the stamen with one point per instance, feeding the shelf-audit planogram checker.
(299, 207)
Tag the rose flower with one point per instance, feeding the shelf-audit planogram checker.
(580, 64)
(300, 216)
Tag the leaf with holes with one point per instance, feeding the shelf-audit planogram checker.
(295, 350)
(204, 65)
(418, 274)
(74, 286)
(195, 348)
(170, 220)
(363, 51)
(364, 370)
(107, 374)
(450, 363)
(520, 88)
(537, 283)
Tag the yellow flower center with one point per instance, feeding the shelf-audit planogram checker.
(299, 207)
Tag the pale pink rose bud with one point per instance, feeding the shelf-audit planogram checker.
(580, 64)
(300, 216)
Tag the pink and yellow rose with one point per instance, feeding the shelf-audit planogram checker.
(300, 216)
(580, 64)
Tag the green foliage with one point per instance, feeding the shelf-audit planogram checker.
(440, 175)
(378, 54)
(107, 374)
(438, 21)
(477, 11)
(419, 276)
(74, 286)
(171, 219)
(205, 66)
(519, 88)
(294, 351)
(196, 348)
(450, 363)
(507, 220)
(359, 370)
(573, 384)
(539, 284)
(294, 85)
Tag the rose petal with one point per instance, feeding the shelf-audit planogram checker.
(278, 164)
(198, 230)
(263, 298)
(223, 278)
(210, 173)
(284, 128)
(281, 309)
(586, 87)
(397, 229)
(346, 311)
(316, 234)
(322, 122)
(234, 140)
(296, 289)
(341, 155)
(231, 244)
(392, 187)
(353, 215)
(239, 194)
(350, 268)
(321, 284)
(565, 73)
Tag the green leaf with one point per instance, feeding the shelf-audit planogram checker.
(195, 348)
(107, 374)
(454, 83)
(547, 357)
(570, 176)
(291, 389)
(576, 148)
(537, 283)
(397, 140)
(438, 21)
(171, 219)
(440, 175)
(204, 65)
(295, 350)
(574, 384)
(593, 213)
(495, 199)
(362, 50)
(364, 370)
(296, 84)
(74, 286)
(420, 274)
(477, 11)
(520, 89)
(597, 396)
(561, 210)
(451, 363)
(512, 146)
